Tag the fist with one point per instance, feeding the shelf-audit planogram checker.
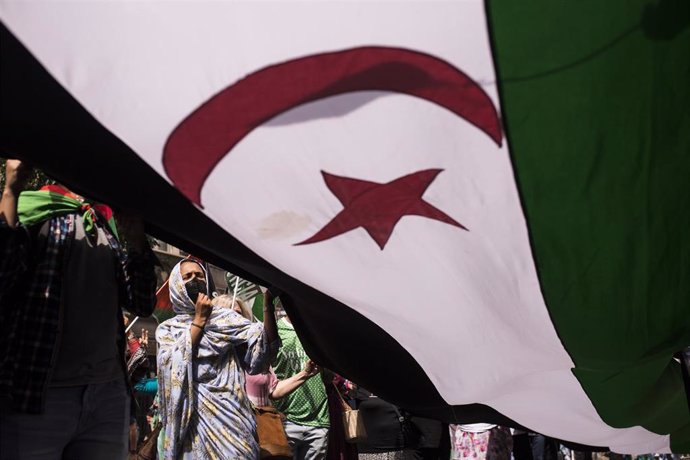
(17, 175)
(202, 308)
(311, 368)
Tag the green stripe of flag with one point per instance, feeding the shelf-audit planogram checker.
(596, 99)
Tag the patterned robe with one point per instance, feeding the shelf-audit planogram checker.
(203, 404)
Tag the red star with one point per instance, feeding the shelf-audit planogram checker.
(379, 207)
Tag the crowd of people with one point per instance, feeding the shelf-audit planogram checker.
(76, 382)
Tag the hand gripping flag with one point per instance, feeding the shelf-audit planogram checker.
(480, 211)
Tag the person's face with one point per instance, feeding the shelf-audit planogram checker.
(190, 271)
(237, 307)
(194, 280)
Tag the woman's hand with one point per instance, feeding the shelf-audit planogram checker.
(287, 386)
(311, 368)
(17, 175)
(269, 296)
(202, 309)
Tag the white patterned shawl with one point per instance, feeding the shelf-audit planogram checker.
(203, 404)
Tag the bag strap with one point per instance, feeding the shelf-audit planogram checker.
(346, 406)
(152, 439)
(156, 429)
(266, 410)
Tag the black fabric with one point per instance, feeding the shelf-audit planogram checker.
(543, 447)
(383, 426)
(434, 440)
(429, 430)
(194, 287)
(684, 357)
(522, 449)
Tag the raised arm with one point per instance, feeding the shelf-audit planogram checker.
(14, 241)
(202, 311)
(16, 176)
(287, 386)
(270, 327)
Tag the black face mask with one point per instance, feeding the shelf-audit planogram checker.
(195, 287)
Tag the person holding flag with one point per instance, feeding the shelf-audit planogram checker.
(64, 280)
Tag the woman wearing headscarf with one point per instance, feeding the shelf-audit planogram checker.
(203, 404)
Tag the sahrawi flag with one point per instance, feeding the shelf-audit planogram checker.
(480, 210)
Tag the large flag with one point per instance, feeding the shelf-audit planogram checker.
(481, 211)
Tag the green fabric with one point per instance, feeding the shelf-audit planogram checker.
(258, 307)
(595, 99)
(308, 404)
(163, 314)
(39, 206)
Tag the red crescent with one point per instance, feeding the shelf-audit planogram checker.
(211, 131)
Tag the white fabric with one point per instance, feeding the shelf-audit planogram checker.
(476, 427)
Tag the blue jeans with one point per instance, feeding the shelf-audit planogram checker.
(79, 422)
